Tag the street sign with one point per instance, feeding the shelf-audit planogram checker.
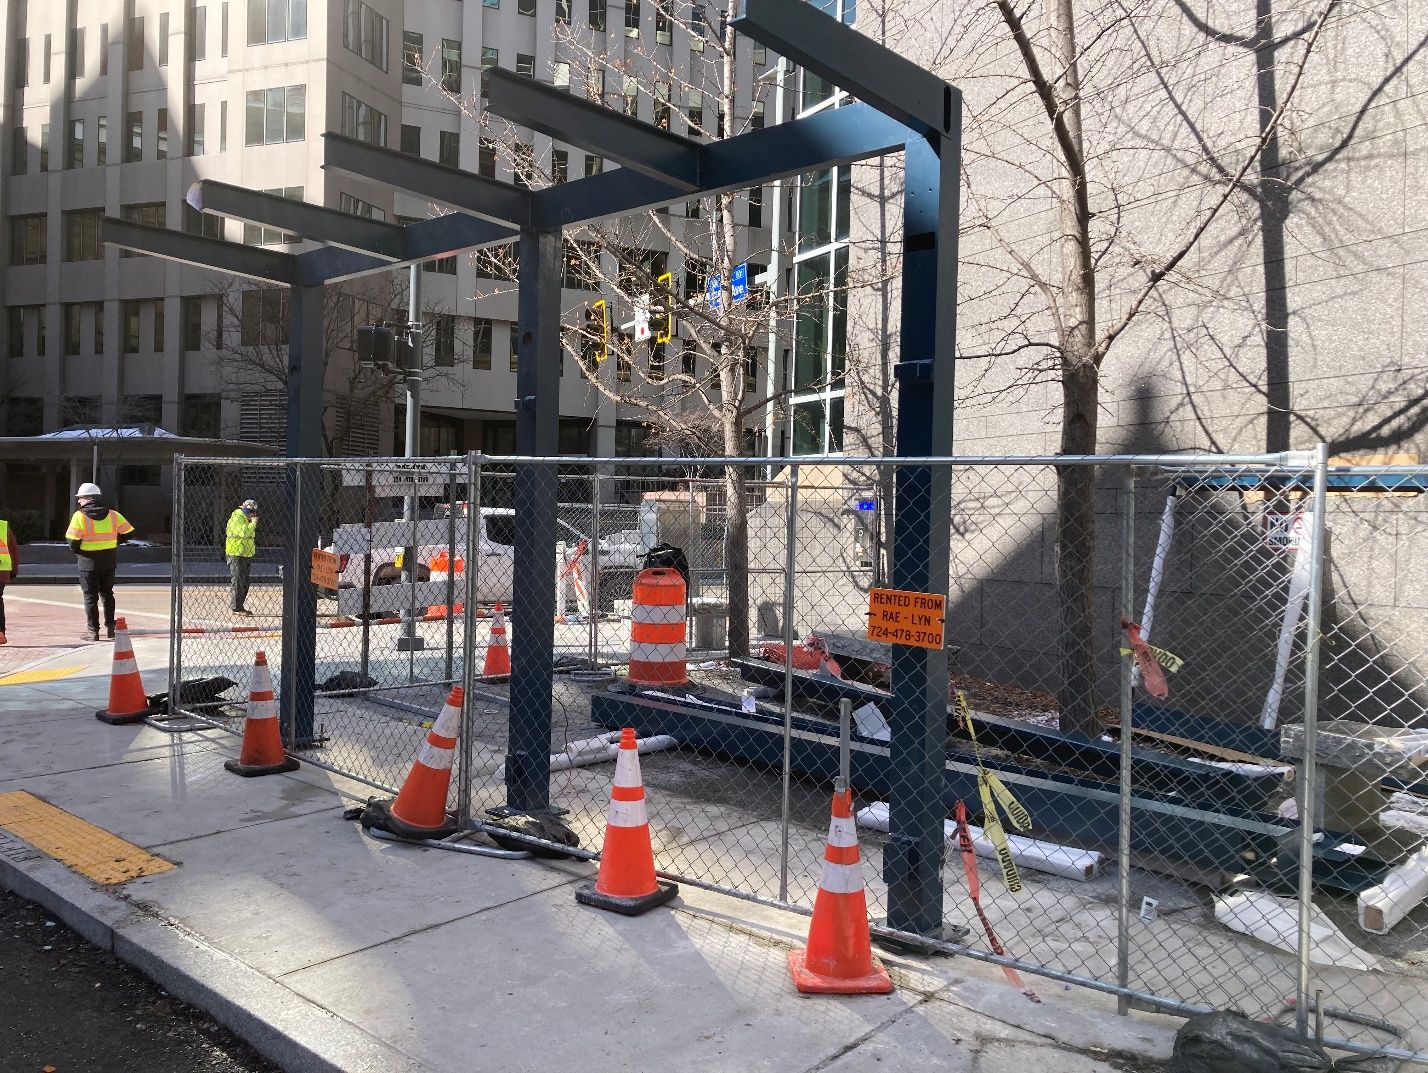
(325, 567)
(403, 478)
(642, 319)
(867, 504)
(907, 618)
(739, 283)
(713, 289)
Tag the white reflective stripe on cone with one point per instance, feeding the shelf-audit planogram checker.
(628, 814)
(125, 666)
(448, 723)
(841, 878)
(436, 758)
(843, 832)
(627, 768)
(264, 709)
(657, 614)
(644, 652)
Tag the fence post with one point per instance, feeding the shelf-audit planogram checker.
(464, 811)
(176, 538)
(1123, 839)
(790, 551)
(367, 521)
(451, 569)
(593, 593)
(1307, 768)
(298, 672)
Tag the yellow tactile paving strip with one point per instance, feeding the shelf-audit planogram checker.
(26, 678)
(91, 851)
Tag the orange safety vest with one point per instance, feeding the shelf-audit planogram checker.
(101, 535)
(5, 563)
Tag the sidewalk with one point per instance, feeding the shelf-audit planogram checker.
(328, 950)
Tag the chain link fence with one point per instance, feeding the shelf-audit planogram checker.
(1152, 680)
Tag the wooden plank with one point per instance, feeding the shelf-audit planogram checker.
(89, 850)
(1208, 749)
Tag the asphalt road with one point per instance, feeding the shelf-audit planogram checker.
(69, 1007)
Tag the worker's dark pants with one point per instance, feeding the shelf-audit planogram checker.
(98, 584)
(2, 607)
(238, 569)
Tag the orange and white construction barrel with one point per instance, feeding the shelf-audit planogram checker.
(657, 629)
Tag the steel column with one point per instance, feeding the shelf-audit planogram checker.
(536, 492)
(912, 858)
(306, 362)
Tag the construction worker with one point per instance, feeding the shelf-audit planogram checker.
(9, 567)
(240, 545)
(93, 534)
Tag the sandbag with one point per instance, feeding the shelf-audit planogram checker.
(1229, 1042)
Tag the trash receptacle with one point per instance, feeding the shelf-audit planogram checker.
(667, 556)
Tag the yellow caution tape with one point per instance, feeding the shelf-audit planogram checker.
(994, 792)
(1169, 660)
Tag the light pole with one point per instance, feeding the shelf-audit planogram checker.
(410, 640)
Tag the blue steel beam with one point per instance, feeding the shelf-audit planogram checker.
(890, 82)
(253, 262)
(448, 186)
(627, 141)
(314, 222)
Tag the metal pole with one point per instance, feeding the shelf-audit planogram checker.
(1123, 841)
(410, 641)
(845, 744)
(367, 519)
(464, 811)
(790, 541)
(776, 228)
(451, 569)
(176, 591)
(94, 463)
(594, 590)
(1307, 772)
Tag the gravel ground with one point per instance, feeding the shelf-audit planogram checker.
(69, 1007)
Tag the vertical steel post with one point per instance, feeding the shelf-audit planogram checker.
(790, 551)
(464, 810)
(913, 854)
(1123, 842)
(176, 590)
(451, 570)
(368, 518)
(306, 360)
(1309, 764)
(593, 591)
(536, 488)
(409, 640)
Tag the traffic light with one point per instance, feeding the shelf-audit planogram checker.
(597, 326)
(376, 347)
(664, 303)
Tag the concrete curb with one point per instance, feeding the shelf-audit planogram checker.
(284, 1027)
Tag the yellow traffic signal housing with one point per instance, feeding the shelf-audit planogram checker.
(597, 323)
(665, 332)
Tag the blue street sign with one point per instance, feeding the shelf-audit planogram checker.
(712, 291)
(867, 504)
(739, 283)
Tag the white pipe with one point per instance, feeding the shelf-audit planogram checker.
(1293, 608)
(1403, 888)
(1034, 853)
(600, 750)
(1157, 573)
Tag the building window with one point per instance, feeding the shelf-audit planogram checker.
(365, 33)
(101, 141)
(130, 313)
(75, 60)
(255, 235)
(15, 332)
(134, 47)
(632, 18)
(756, 116)
(134, 141)
(696, 27)
(560, 75)
(687, 358)
(450, 65)
(22, 63)
(163, 144)
(202, 223)
(490, 57)
(197, 34)
(19, 151)
(27, 239)
(81, 235)
(664, 22)
(491, 3)
(263, 320)
(411, 139)
(163, 39)
(559, 166)
(412, 60)
(44, 147)
(277, 115)
(597, 14)
(522, 164)
(661, 105)
(526, 7)
(443, 340)
(525, 65)
(657, 363)
(481, 333)
(624, 369)
(202, 417)
(486, 159)
(355, 206)
(562, 11)
(448, 143)
(99, 327)
(150, 214)
(223, 126)
(593, 164)
(192, 315)
(694, 111)
(74, 156)
(363, 122)
(271, 21)
(632, 97)
(515, 347)
(73, 327)
(442, 266)
(195, 129)
(25, 416)
(223, 32)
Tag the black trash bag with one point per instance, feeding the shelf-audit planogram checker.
(377, 812)
(669, 557)
(345, 681)
(194, 691)
(1229, 1042)
(546, 828)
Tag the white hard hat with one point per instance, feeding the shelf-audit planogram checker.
(88, 490)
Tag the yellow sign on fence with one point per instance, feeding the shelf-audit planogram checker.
(906, 618)
(325, 567)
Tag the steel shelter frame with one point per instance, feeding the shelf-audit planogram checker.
(901, 108)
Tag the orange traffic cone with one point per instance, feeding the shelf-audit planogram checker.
(420, 809)
(627, 883)
(839, 957)
(262, 752)
(498, 652)
(127, 702)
